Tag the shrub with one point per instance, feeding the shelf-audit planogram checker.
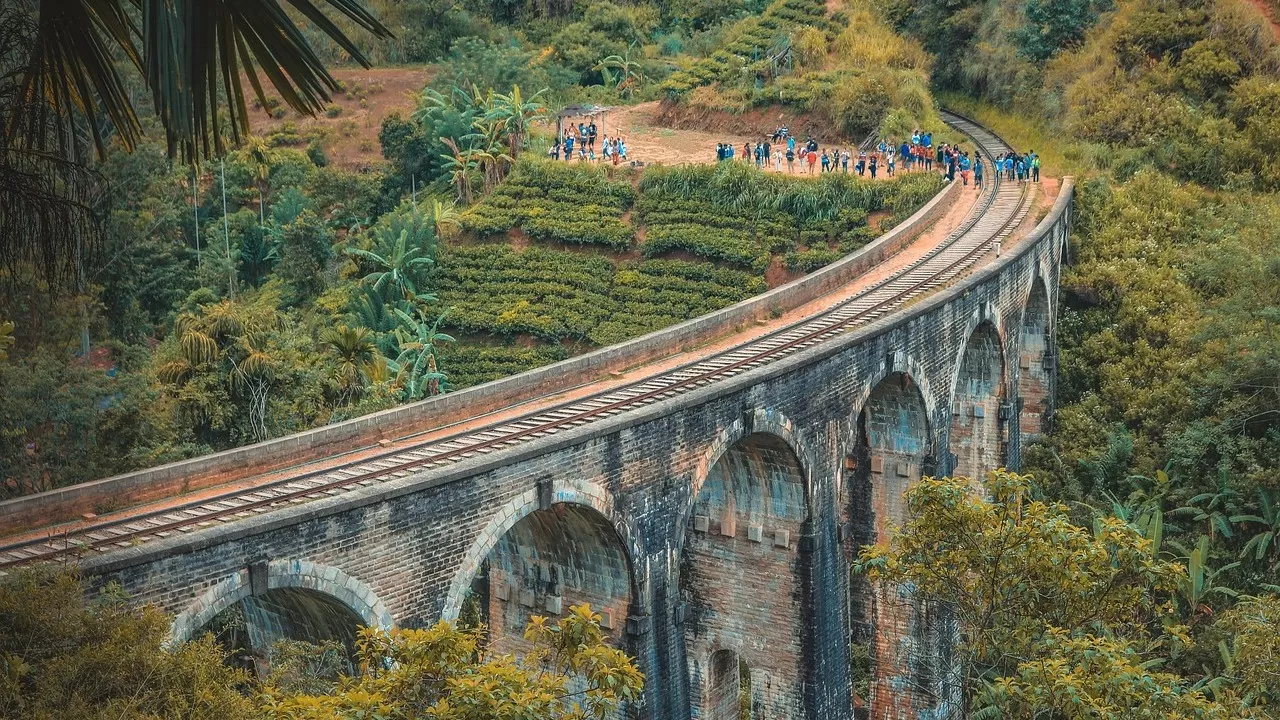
(333, 110)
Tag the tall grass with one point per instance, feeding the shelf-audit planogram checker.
(1058, 156)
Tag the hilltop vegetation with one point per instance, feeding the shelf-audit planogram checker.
(272, 290)
(1168, 404)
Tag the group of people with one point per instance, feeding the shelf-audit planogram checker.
(1020, 168)
(917, 153)
(781, 147)
(583, 140)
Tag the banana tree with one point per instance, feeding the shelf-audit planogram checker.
(415, 366)
(621, 72)
(1263, 544)
(445, 217)
(517, 114)
(1199, 582)
(459, 165)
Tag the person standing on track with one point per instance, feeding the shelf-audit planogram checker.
(791, 159)
(1035, 166)
(977, 171)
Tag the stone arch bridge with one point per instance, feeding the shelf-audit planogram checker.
(712, 529)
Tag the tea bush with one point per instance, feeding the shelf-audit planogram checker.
(549, 294)
(654, 294)
(470, 364)
(558, 202)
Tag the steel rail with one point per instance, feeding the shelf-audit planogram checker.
(332, 480)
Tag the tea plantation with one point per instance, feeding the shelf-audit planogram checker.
(564, 257)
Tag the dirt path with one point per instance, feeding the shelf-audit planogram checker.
(1270, 14)
(650, 143)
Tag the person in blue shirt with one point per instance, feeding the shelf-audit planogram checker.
(977, 171)
(927, 140)
(965, 164)
(791, 144)
(1022, 169)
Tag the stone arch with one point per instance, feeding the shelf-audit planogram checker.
(759, 420)
(894, 442)
(298, 594)
(977, 400)
(541, 558)
(743, 573)
(1035, 361)
(517, 509)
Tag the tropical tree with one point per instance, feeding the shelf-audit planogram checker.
(459, 164)
(404, 249)
(517, 114)
(358, 358)
(622, 73)
(225, 362)
(447, 673)
(1198, 582)
(415, 365)
(1262, 546)
(1048, 611)
(490, 152)
(446, 218)
(261, 157)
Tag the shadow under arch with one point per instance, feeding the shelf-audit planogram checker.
(540, 558)
(1035, 361)
(301, 600)
(743, 575)
(977, 433)
(893, 448)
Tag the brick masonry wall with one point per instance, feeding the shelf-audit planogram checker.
(976, 438)
(550, 561)
(1036, 376)
(405, 552)
(741, 576)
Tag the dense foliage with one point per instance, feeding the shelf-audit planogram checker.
(66, 653)
(1061, 621)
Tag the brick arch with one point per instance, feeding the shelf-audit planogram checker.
(765, 421)
(738, 536)
(283, 574)
(893, 436)
(1034, 366)
(570, 492)
(979, 387)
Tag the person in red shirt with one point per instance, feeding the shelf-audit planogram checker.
(813, 159)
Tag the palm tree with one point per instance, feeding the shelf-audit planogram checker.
(517, 114)
(416, 366)
(188, 52)
(358, 358)
(67, 77)
(262, 157)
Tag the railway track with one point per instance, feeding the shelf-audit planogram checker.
(999, 210)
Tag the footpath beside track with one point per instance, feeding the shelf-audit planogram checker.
(999, 210)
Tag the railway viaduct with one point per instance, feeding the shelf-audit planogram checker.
(713, 530)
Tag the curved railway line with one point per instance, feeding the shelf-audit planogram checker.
(998, 212)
